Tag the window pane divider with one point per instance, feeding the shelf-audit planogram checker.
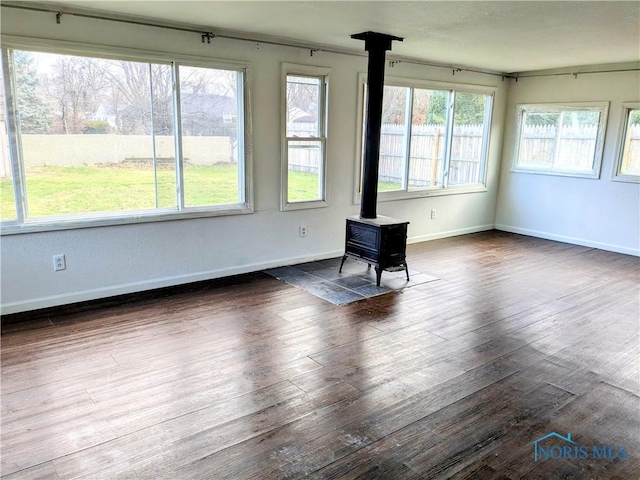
(451, 100)
(177, 133)
(242, 91)
(153, 136)
(407, 144)
(13, 134)
(486, 122)
(304, 139)
(556, 148)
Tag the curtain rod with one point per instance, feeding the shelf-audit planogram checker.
(575, 74)
(208, 35)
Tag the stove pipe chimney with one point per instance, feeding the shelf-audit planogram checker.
(376, 44)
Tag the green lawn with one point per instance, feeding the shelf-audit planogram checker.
(302, 186)
(73, 190)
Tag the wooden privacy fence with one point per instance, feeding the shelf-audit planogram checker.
(543, 145)
(427, 151)
(576, 147)
(631, 157)
(427, 154)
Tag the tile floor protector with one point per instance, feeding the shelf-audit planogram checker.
(356, 282)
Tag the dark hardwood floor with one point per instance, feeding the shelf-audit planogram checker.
(455, 378)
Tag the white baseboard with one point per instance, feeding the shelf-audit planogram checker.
(450, 233)
(134, 287)
(573, 240)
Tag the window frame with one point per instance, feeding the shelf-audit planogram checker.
(421, 192)
(321, 73)
(617, 176)
(596, 168)
(125, 217)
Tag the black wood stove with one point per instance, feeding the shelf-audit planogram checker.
(378, 240)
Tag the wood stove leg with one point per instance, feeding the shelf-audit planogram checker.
(406, 268)
(344, 257)
(378, 275)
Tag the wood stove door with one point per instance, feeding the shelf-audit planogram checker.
(363, 241)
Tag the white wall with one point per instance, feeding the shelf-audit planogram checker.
(597, 213)
(112, 260)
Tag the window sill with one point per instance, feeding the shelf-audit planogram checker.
(435, 192)
(303, 205)
(557, 173)
(626, 178)
(67, 223)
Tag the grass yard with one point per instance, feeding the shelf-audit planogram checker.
(73, 190)
(302, 186)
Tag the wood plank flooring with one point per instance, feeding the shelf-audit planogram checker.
(455, 378)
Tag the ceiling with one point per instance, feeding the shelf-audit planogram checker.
(502, 36)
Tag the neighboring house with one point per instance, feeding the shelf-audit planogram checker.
(208, 115)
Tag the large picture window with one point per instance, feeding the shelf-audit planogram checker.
(96, 139)
(560, 139)
(433, 139)
(304, 136)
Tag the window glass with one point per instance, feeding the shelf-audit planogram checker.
(7, 199)
(560, 139)
(304, 136)
(428, 140)
(95, 134)
(209, 109)
(467, 138)
(96, 140)
(303, 103)
(393, 143)
(630, 159)
(305, 165)
(428, 135)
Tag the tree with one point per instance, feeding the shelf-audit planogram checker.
(437, 108)
(394, 101)
(575, 118)
(468, 108)
(74, 86)
(33, 110)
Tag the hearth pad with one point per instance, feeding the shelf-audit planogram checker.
(356, 282)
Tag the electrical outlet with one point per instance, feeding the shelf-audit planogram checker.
(59, 263)
(433, 214)
(302, 230)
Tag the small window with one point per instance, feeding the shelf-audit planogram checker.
(628, 164)
(304, 112)
(432, 140)
(560, 139)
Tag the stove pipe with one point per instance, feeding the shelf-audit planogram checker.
(376, 44)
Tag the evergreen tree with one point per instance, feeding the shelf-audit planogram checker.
(437, 111)
(33, 111)
(469, 108)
